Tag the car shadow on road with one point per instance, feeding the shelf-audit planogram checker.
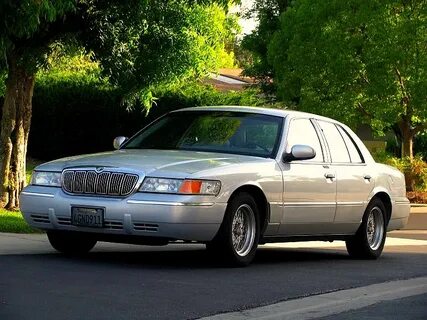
(199, 258)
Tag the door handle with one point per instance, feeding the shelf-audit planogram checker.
(329, 175)
(367, 177)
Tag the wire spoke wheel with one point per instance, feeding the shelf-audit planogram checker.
(243, 230)
(368, 242)
(375, 228)
(237, 239)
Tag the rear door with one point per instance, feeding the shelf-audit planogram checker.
(309, 196)
(354, 181)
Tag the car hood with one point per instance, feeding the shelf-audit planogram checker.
(151, 162)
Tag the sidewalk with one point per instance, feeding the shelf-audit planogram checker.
(417, 218)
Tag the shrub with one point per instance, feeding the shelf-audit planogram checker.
(77, 113)
(415, 170)
(420, 145)
(73, 113)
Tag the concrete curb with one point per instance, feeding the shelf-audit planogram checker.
(328, 304)
(419, 210)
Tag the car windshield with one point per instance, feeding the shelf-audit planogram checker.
(212, 131)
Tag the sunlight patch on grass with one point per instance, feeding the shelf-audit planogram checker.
(13, 222)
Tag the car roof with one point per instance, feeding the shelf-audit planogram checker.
(267, 111)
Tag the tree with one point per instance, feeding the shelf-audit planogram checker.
(139, 44)
(356, 61)
(267, 13)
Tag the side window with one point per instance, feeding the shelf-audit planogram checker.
(353, 150)
(301, 131)
(337, 147)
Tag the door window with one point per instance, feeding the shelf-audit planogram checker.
(302, 131)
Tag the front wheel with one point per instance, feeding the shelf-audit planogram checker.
(71, 243)
(368, 242)
(237, 238)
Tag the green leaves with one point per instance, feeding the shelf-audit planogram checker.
(27, 28)
(354, 60)
(142, 44)
(139, 43)
(21, 19)
(267, 12)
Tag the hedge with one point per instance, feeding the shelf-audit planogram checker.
(80, 114)
(76, 113)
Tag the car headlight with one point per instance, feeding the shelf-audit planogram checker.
(45, 178)
(181, 186)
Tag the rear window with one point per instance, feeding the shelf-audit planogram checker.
(353, 150)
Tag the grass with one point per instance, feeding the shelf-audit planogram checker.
(12, 221)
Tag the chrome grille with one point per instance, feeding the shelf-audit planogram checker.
(116, 183)
(90, 182)
(103, 183)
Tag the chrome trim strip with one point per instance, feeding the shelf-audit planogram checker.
(309, 204)
(350, 203)
(36, 194)
(176, 204)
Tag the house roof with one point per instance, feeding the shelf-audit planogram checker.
(229, 79)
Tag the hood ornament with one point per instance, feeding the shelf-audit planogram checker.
(99, 169)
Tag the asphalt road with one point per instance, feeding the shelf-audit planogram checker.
(182, 281)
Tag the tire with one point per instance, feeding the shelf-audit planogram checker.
(237, 239)
(71, 243)
(368, 242)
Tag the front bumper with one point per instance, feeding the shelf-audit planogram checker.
(175, 217)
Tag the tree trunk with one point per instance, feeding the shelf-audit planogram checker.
(407, 135)
(15, 127)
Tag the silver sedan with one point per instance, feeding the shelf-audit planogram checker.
(229, 177)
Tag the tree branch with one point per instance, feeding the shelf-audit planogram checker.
(364, 111)
(405, 96)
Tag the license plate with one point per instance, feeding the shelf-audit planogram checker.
(87, 217)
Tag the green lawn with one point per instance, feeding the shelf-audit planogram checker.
(12, 221)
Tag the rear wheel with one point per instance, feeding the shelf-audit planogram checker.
(368, 242)
(71, 243)
(237, 239)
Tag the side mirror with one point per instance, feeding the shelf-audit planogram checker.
(118, 141)
(299, 152)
